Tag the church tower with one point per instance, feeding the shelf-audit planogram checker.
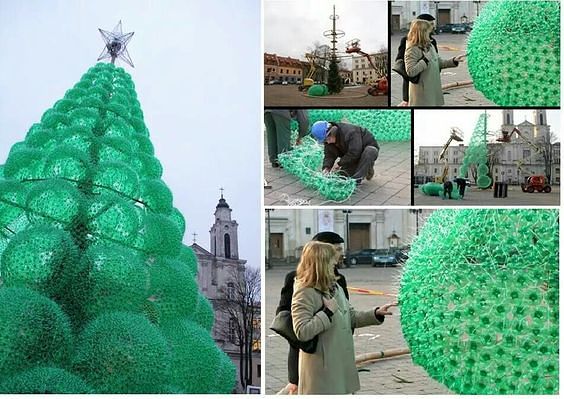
(223, 233)
(507, 123)
(541, 130)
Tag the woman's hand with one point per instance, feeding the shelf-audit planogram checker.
(383, 310)
(331, 304)
(459, 58)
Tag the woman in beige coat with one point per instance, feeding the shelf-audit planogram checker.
(421, 58)
(320, 308)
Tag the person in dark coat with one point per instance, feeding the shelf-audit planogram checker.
(278, 132)
(355, 146)
(401, 55)
(461, 185)
(286, 302)
(447, 189)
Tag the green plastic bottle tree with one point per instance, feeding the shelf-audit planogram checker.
(97, 292)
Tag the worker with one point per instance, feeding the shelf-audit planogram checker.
(278, 132)
(461, 185)
(354, 146)
(447, 189)
(401, 55)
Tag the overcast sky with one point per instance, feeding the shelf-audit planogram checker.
(197, 72)
(432, 127)
(292, 26)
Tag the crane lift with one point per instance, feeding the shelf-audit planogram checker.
(308, 80)
(455, 135)
(532, 182)
(380, 86)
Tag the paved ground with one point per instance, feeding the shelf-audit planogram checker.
(515, 197)
(378, 379)
(391, 184)
(290, 96)
(449, 46)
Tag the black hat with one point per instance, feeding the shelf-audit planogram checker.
(426, 17)
(328, 237)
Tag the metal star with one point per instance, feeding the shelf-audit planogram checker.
(116, 43)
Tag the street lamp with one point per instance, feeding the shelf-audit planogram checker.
(347, 212)
(269, 242)
(477, 2)
(416, 212)
(437, 11)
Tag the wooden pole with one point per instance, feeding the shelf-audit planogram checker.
(374, 356)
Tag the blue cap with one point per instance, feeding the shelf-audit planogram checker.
(319, 131)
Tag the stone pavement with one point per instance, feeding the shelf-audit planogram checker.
(449, 45)
(391, 184)
(379, 379)
(351, 96)
(475, 196)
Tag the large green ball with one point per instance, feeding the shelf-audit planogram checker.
(479, 300)
(40, 258)
(514, 52)
(34, 331)
(123, 352)
(44, 380)
(196, 360)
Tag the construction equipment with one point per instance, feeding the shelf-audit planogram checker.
(308, 80)
(380, 85)
(457, 135)
(536, 183)
(505, 137)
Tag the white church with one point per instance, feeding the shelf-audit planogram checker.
(216, 267)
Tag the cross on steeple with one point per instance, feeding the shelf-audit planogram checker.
(195, 235)
(221, 189)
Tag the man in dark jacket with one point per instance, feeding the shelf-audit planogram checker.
(401, 55)
(286, 302)
(355, 146)
(461, 184)
(447, 189)
(278, 132)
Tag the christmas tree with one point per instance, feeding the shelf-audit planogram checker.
(97, 292)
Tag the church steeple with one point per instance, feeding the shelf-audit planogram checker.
(223, 233)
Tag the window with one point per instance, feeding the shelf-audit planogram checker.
(232, 330)
(541, 118)
(507, 122)
(227, 245)
(230, 290)
(455, 171)
(526, 153)
(308, 230)
(436, 171)
(258, 370)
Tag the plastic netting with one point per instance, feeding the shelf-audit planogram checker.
(479, 300)
(476, 154)
(514, 52)
(306, 159)
(91, 255)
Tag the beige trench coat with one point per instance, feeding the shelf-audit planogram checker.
(331, 369)
(428, 91)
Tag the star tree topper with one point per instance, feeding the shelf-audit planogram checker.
(116, 44)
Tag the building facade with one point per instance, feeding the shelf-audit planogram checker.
(290, 229)
(512, 158)
(364, 73)
(282, 69)
(445, 12)
(216, 269)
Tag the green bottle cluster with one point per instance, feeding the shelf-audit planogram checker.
(98, 293)
(306, 159)
(479, 300)
(514, 52)
(476, 154)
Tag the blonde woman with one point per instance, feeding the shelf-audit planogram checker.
(422, 58)
(320, 308)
